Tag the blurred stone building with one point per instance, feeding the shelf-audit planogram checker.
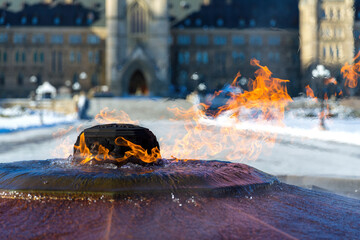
(219, 39)
(162, 47)
(326, 36)
(52, 41)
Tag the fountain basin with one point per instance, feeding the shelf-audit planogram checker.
(61, 177)
(54, 199)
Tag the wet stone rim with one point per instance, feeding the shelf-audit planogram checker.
(60, 179)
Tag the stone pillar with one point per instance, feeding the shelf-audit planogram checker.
(115, 42)
(159, 33)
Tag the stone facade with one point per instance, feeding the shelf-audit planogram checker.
(217, 55)
(50, 47)
(154, 47)
(326, 35)
(137, 47)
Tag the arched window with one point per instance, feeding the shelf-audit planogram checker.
(138, 19)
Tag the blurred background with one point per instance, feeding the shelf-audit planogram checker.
(63, 61)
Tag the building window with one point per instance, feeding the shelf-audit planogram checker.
(238, 57)
(183, 76)
(19, 38)
(75, 78)
(34, 20)
(90, 18)
(205, 58)
(324, 52)
(138, 19)
(53, 61)
(41, 56)
(35, 57)
(78, 20)
(23, 57)
(202, 57)
(256, 40)
(97, 57)
(94, 80)
(3, 37)
(39, 78)
(38, 38)
(75, 39)
(23, 20)
(184, 57)
(93, 39)
(238, 40)
(202, 40)
(220, 62)
(2, 79)
(242, 23)
(5, 57)
(56, 20)
(57, 39)
(2, 19)
(220, 40)
(274, 56)
(20, 79)
(339, 15)
(59, 62)
(72, 57)
(183, 40)
(17, 57)
(274, 40)
(198, 22)
(90, 56)
(272, 23)
(252, 23)
(220, 22)
(331, 13)
(78, 57)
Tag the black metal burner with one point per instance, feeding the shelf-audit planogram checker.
(106, 135)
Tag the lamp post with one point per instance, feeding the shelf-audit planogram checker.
(320, 72)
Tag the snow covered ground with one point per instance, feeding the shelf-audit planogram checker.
(17, 119)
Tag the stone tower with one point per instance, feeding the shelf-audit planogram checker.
(326, 34)
(137, 47)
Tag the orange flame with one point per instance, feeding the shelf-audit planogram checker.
(331, 80)
(106, 116)
(351, 72)
(265, 101)
(136, 151)
(309, 92)
(225, 133)
(64, 146)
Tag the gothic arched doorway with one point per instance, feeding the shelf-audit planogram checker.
(137, 84)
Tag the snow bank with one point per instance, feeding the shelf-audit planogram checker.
(17, 119)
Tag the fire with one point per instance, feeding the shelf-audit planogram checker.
(225, 133)
(136, 151)
(106, 116)
(351, 72)
(309, 92)
(209, 137)
(64, 146)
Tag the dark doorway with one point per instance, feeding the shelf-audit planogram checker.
(137, 84)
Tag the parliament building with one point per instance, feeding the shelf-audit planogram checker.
(156, 47)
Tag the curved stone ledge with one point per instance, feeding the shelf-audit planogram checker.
(62, 177)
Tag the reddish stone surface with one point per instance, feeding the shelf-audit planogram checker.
(278, 212)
